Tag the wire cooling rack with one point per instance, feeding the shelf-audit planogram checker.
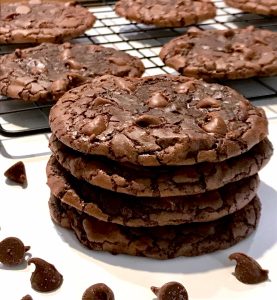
(18, 118)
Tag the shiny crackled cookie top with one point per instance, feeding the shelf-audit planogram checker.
(37, 21)
(158, 120)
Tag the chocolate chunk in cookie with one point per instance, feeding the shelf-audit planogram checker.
(157, 120)
(164, 242)
(160, 181)
(47, 71)
(223, 54)
(170, 13)
(262, 7)
(29, 21)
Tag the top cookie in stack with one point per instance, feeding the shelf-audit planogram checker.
(162, 166)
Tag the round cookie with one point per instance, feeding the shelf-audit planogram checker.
(162, 242)
(149, 211)
(37, 21)
(166, 13)
(160, 181)
(223, 54)
(263, 7)
(49, 70)
(157, 120)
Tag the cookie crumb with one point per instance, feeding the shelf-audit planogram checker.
(98, 291)
(248, 270)
(170, 291)
(45, 278)
(17, 173)
(12, 251)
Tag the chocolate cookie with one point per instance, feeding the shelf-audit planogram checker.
(37, 21)
(49, 70)
(263, 7)
(163, 242)
(223, 54)
(170, 13)
(160, 181)
(157, 120)
(148, 211)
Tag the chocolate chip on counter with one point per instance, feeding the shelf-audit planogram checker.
(45, 278)
(171, 291)
(98, 291)
(248, 270)
(17, 173)
(12, 251)
(27, 297)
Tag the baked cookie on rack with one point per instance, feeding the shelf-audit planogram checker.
(47, 71)
(37, 21)
(223, 54)
(262, 7)
(166, 13)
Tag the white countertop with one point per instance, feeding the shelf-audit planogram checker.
(24, 214)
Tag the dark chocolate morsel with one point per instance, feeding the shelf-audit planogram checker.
(248, 270)
(12, 251)
(98, 291)
(45, 278)
(171, 291)
(17, 173)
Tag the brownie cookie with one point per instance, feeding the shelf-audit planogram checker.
(49, 70)
(160, 181)
(170, 13)
(37, 21)
(157, 120)
(164, 242)
(263, 7)
(148, 211)
(223, 54)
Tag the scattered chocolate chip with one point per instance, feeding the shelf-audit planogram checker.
(12, 251)
(98, 291)
(27, 297)
(170, 291)
(248, 270)
(17, 173)
(45, 278)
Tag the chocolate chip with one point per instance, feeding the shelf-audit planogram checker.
(22, 9)
(98, 291)
(17, 173)
(12, 251)
(45, 278)
(171, 291)
(27, 297)
(157, 100)
(248, 270)
(148, 120)
(215, 124)
(95, 126)
(208, 102)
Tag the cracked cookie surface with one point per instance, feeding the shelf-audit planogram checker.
(263, 7)
(47, 71)
(223, 54)
(160, 181)
(149, 211)
(157, 120)
(162, 242)
(37, 21)
(166, 13)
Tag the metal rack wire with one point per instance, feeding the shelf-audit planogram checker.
(19, 118)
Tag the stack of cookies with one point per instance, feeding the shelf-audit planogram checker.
(160, 166)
